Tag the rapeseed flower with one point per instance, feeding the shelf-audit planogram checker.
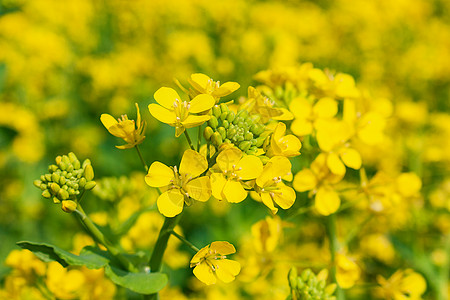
(403, 284)
(180, 185)
(233, 167)
(177, 113)
(283, 145)
(211, 263)
(130, 131)
(203, 84)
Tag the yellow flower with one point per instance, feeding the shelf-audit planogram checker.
(203, 84)
(403, 284)
(347, 271)
(132, 133)
(283, 145)
(270, 187)
(177, 113)
(307, 115)
(211, 263)
(180, 186)
(64, 283)
(233, 169)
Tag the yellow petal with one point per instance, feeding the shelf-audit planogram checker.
(193, 163)
(234, 192)
(162, 114)
(205, 274)
(223, 248)
(124, 129)
(166, 97)
(127, 146)
(199, 188)
(326, 108)
(170, 203)
(351, 158)
(304, 180)
(301, 127)
(228, 157)
(193, 121)
(200, 255)
(327, 201)
(267, 200)
(335, 164)
(201, 103)
(227, 269)
(159, 175)
(218, 182)
(251, 167)
(199, 81)
(226, 89)
(300, 107)
(284, 197)
(108, 120)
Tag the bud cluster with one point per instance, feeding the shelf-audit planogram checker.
(240, 129)
(66, 179)
(309, 286)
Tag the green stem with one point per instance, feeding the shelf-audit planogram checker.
(141, 158)
(334, 247)
(195, 249)
(208, 154)
(199, 137)
(100, 238)
(186, 134)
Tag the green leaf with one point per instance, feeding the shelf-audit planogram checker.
(142, 283)
(47, 253)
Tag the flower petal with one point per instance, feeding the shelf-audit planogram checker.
(301, 127)
(267, 200)
(218, 182)
(205, 274)
(300, 107)
(159, 175)
(226, 89)
(251, 166)
(166, 97)
(304, 180)
(227, 158)
(226, 269)
(199, 188)
(234, 192)
(199, 255)
(193, 121)
(327, 201)
(201, 103)
(108, 120)
(199, 81)
(162, 114)
(326, 108)
(193, 163)
(335, 165)
(223, 248)
(285, 196)
(351, 158)
(170, 203)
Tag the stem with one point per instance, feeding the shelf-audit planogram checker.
(141, 158)
(195, 249)
(100, 238)
(186, 134)
(208, 154)
(334, 247)
(199, 137)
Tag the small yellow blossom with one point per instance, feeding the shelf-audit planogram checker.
(403, 284)
(180, 186)
(203, 84)
(270, 187)
(64, 283)
(130, 131)
(211, 263)
(264, 107)
(347, 271)
(177, 113)
(283, 145)
(233, 168)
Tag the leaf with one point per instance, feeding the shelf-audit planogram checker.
(142, 283)
(47, 253)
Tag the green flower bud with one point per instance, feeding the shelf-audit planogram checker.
(292, 277)
(207, 133)
(37, 183)
(245, 145)
(266, 142)
(43, 186)
(213, 122)
(69, 206)
(216, 138)
(227, 141)
(56, 200)
(70, 168)
(224, 115)
(257, 129)
(62, 180)
(237, 120)
(223, 132)
(216, 111)
(231, 116)
(253, 150)
(86, 162)
(248, 136)
(71, 191)
(69, 175)
(264, 159)
(43, 179)
(90, 185)
(58, 159)
(72, 157)
(55, 177)
(54, 187)
(225, 124)
(224, 108)
(46, 194)
(330, 289)
(52, 168)
(305, 275)
(65, 159)
(63, 194)
(62, 165)
(76, 164)
(231, 132)
(82, 182)
(48, 177)
(89, 172)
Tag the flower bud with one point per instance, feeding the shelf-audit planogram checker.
(55, 177)
(43, 186)
(54, 187)
(225, 124)
(306, 274)
(69, 206)
(46, 194)
(62, 165)
(231, 116)
(63, 194)
(224, 108)
(90, 185)
(216, 138)
(86, 162)
(56, 200)
(292, 277)
(52, 168)
(62, 180)
(37, 183)
(43, 179)
(72, 157)
(223, 132)
(213, 122)
(89, 172)
(248, 136)
(58, 159)
(245, 145)
(70, 168)
(224, 115)
(207, 133)
(82, 182)
(231, 132)
(257, 129)
(216, 111)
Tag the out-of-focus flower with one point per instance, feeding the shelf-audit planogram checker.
(347, 271)
(130, 131)
(283, 145)
(270, 187)
(211, 263)
(233, 168)
(182, 185)
(177, 113)
(64, 283)
(403, 284)
(203, 84)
